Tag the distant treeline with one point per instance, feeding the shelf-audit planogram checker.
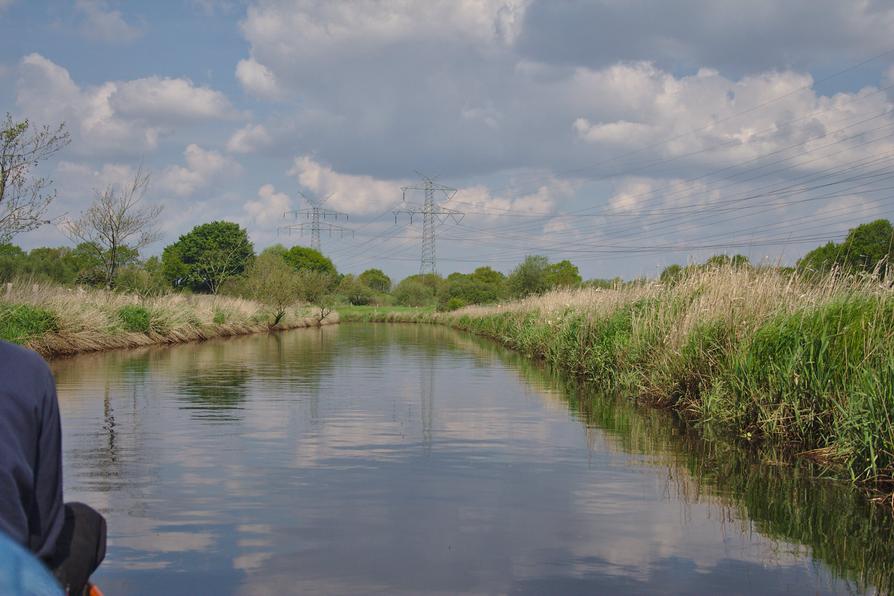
(218, 257)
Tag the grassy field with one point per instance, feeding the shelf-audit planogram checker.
(58, 321)
(752, 354)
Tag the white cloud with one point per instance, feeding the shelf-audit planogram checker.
(166, 99)
(351, 194)
(365, 194)
(102, 23)
(257, 79)
(121, 118)
(269, 206)
(249, 139)
(49, 95)
(310, 28)
(202, 168)
(704, 119)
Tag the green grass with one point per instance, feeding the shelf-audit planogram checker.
(21, 322)
(135, 318)
(370, 314)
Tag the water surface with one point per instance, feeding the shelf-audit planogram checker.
(415, 459)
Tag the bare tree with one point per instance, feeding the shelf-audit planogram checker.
(24, 198)
(116, 225)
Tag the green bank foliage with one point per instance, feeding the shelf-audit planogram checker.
(868, 248)
(135, 318)
(305, 258)
(21, 322)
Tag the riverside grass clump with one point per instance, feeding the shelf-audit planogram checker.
(756, 354)
(56, 321)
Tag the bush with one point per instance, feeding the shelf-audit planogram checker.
(413, 293)
(355, 292)
(135, 318)
(376, 280)
(21, 322)
(452, 304)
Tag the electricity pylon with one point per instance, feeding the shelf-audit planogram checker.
(316, 215)
(433, 215)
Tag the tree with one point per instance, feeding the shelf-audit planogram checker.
(116, 225)
(529, 277)
(314, 289)
(207, 256)
(412, 292)
(302, 257)
(271, 281)
(821, 259)
(562, 275)
(671, 274)
(24, 198)
(354, 291)
(488, 276)
(869, 246)
(735, 261)
(375, 279)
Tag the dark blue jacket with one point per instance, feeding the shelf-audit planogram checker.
(31, 509)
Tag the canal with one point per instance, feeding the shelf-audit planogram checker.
(408, 459)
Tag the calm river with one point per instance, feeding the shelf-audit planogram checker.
(414, 459)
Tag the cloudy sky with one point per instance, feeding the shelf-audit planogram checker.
(624, 135)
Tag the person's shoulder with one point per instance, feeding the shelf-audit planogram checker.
(21, 361)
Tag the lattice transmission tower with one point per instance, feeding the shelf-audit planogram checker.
(316, 218)
(432, 214)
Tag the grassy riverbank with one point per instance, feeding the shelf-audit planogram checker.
(756, 355)
(56, 321)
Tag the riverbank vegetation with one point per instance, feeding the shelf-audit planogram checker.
(55, 320)
(761, 355)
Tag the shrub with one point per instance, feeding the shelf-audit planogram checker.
(413, 293)
(135, 318)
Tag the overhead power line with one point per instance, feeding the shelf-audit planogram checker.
(433, 215)
(315, 216)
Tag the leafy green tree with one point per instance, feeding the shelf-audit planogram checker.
(375, 279)
(671, 274)
(24, 197)
(483, 286)
(736, 261)
(145, 279)
(302, 257)
(530, 277)
(314, 288)
(12, 258)
(489, 276)
(562, 275)
(354, 291)
(207, 256)
(869, 246)
(272, 281)
(413, 292)
(821, 259)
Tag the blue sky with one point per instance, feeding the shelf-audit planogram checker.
(624, 136)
